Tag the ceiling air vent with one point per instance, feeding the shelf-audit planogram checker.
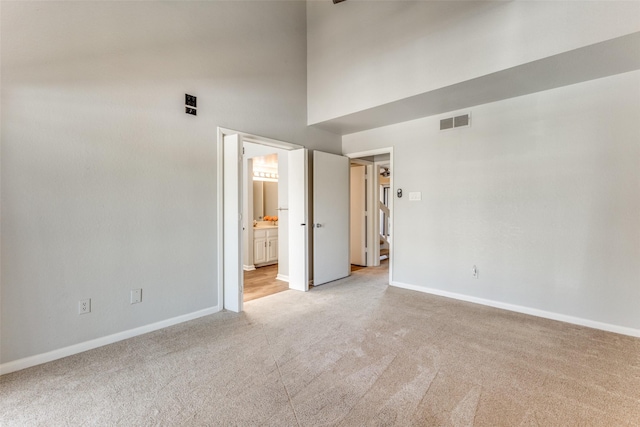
(460, 121)
(455, 122)
(446, 123)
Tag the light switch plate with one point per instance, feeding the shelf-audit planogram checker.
(415, 196)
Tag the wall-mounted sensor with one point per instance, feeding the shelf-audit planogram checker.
(190, 100)
(190, 104)
(399, 192)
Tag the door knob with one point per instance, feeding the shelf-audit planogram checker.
(318, 225)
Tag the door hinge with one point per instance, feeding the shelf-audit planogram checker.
(242, 150)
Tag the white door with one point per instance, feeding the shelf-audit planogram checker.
(298, 220)
(358, 214)
(232, 220)
(330, 217)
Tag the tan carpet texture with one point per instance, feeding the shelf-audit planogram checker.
(351, 353)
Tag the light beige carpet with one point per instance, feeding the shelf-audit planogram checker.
(352, 353)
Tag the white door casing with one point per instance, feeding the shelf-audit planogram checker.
(232, 219)
(331, 217)
(230, 149)
(298, 220)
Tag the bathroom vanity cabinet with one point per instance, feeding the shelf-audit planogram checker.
(265, 245)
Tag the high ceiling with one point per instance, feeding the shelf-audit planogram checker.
(591, 62)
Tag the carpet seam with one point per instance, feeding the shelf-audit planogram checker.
(426, 392)
(293, 409)
(368, 390)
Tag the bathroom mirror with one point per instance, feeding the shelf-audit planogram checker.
(265, 199)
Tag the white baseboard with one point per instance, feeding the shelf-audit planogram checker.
(525, 310)
(38, 359)
(282, 277)
(248, 267)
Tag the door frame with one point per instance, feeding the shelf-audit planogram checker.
(256, 139)
(371, 210)
(374, 152)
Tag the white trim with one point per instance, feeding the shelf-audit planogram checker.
(232, 222)
(38, 359)
(260, 140)
(248, 267)
(282, 277)
(359, 161)
(368, 153)
(525, 310)
(220, 230)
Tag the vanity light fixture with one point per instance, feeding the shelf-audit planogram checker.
(265, 176)
(261, 178)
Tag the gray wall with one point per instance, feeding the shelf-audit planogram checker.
(106, 184)
(541, 193)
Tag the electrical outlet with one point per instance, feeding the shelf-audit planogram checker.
(191, 111)
(136, 296)
(474, 271)
(84, 306)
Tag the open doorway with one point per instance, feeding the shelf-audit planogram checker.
(235, 224)
(327, 228)
(265, 235)
(371, 209)
(383, 168)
